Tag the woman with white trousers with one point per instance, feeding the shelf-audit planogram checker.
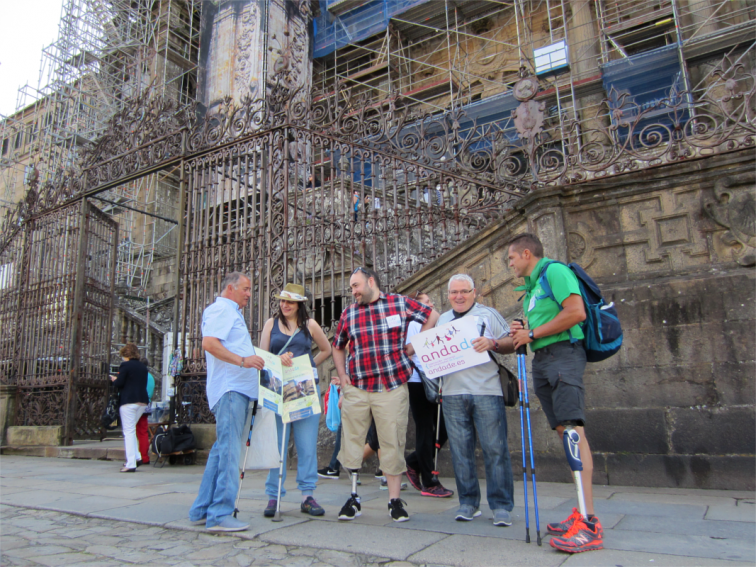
(132, 383)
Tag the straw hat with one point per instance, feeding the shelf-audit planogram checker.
(292, 292)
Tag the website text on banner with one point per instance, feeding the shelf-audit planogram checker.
(448, 348)
(289, 391)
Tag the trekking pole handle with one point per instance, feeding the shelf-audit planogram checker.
(522, 349)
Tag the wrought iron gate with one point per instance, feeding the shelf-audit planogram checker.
(292, 205)
(56, 291)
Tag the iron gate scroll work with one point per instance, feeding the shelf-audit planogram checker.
(307, 205)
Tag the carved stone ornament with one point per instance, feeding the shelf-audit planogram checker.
(525, 89)
(735, 211)
(528, 119)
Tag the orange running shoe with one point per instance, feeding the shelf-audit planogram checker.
(582, 536)
(561, 528)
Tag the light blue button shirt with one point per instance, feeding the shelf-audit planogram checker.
(223, 320)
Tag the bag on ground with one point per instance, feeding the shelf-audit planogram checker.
(263, 448)
(173, 440)
(110, 416)
(333, 415)
(602, 329)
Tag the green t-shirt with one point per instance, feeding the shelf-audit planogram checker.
(540, 308)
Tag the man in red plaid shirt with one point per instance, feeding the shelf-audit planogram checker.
(375, 327)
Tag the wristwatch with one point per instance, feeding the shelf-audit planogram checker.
(496, 346)
(530, 336)
(242, 362)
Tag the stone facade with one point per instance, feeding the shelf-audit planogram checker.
(673, 247)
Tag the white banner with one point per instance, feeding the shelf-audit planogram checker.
(448, 348)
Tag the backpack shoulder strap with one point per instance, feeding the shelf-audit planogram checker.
(546, 287)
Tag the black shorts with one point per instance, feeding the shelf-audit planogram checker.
(558, 380)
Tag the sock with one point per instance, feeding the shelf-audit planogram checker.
(305, 497)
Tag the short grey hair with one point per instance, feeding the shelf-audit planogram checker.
(233, 279)
(461, 278)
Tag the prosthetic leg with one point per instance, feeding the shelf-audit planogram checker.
(571, 438)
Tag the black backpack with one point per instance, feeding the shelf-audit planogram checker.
(173, 440)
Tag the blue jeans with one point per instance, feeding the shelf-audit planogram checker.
(220, 482)
(464, 416)
(335, 465)
(306, 441)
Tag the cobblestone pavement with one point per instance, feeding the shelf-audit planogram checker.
(40, 537)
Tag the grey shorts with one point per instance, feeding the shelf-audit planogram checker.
(558, 379)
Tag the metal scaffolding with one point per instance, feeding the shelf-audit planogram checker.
(434, 56)
(107, 52)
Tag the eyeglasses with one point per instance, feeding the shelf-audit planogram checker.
(418, 293)
(461, 292)
(364, 271)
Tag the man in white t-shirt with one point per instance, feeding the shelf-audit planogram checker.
(473, 408)
(232, 382)
(420, 470)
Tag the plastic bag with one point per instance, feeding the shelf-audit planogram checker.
(263, 448)
(333, 415)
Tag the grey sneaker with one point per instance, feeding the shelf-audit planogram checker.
(229, 524)
(501, 518)
(466, 513)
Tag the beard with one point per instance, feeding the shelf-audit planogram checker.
(367, 296)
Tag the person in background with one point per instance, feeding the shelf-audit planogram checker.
(425, 413)
(132, 382)
(141, 426)
(290, 334)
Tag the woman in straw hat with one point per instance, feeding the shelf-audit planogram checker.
(290, 334)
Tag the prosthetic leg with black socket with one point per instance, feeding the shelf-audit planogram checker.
(580, 532)
(352, 508)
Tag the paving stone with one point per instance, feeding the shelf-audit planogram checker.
(706, 528)
(614, 558)
(35, 550)
(470, 551)
(63, 559)
(744, 513)
(355, 537)
(694, 499)
(683, 545)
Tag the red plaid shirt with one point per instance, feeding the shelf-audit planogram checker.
(376, 334)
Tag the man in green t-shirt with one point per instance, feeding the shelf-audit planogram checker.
(555, 338)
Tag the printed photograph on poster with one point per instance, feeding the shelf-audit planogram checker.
(448, 347)
(290, 391)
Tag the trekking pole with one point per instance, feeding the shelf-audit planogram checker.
(522, 371)
(246, 453)
(520, 376)
(277, 517)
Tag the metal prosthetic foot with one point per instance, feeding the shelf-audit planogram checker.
(571, 438)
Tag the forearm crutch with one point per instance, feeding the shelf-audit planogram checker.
(246, 453)
(434, 472)
(522, 376)
(277, 516)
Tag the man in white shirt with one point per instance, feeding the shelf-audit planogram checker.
(474, 408)
(231, 383)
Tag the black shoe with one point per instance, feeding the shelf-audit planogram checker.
(378, 474)
(397, 511)
(328, 472)
(351, 509)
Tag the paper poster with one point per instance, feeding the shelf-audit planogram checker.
(290, 391)
(448, 348)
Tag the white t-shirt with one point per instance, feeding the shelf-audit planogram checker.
(412, 329)
(481, 380)
(223, 320)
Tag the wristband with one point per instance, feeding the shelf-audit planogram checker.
(242, 362)
(496, 346)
